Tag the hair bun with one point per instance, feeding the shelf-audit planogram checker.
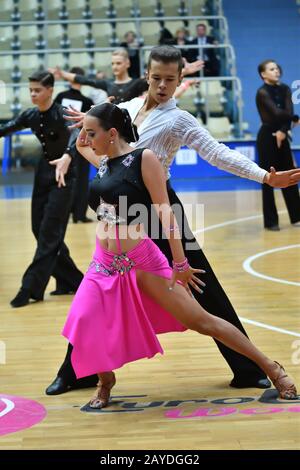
(126, 114)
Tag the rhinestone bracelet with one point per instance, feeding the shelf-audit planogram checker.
(181, 267)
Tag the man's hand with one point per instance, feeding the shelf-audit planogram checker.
(74, 115)
(61, 168)
(282, 179)
(280, 136)
(191, 67)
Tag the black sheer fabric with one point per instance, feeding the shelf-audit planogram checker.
(275, 106)
(121, 91)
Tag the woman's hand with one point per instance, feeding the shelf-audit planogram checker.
(188, 278)
(81, 140)
(85, 150)
(280, 136)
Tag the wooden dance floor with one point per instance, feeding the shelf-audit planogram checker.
(180, 400)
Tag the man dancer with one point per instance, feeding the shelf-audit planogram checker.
(51, 196)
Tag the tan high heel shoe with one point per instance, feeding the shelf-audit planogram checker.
(287, 389)
(102, 396)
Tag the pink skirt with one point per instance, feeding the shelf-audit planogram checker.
(111, 322)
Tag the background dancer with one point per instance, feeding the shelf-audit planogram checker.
(51, 196)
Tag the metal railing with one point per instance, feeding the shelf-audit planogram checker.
(131, 19)
(229, 75)
(228, 70)
(43, 53)
(231, 99)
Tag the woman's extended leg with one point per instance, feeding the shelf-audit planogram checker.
(185, 309)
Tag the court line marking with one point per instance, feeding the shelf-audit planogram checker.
(269, 327)
(232, 222)
(246, 320)
(248, 268)
(9, 405)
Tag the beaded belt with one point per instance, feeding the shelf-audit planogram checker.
(121, 264)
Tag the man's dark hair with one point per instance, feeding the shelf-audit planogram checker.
(201, 24)
(166, 55)
(77, 70)
(44, 77)
(262, 66)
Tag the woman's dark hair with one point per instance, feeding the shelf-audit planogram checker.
(262, 66)
(109, 115)
(166, 55)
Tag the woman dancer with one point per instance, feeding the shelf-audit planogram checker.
(130, 293)
(275, 107)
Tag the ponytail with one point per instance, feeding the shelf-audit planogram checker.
(130, 132)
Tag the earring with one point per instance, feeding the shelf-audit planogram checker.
(111, 141)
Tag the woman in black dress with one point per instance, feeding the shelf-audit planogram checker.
(275, 107)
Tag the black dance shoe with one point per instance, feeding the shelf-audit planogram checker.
(273, 228)
(84, 220)
(58, 386)
(22, 298)
(61, 385)
(250, 383)
(63, 291)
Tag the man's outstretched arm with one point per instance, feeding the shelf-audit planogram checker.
(187, 130)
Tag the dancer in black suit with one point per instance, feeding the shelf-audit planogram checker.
(52, 193)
